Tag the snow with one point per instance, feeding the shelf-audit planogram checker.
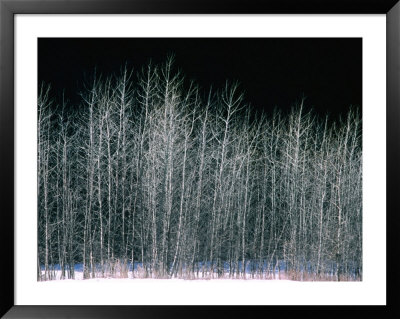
(200, 291)
(135, 271)
(78, 275)
(128, 291)
(160, 291)
(137, 291)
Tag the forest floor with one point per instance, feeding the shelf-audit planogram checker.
(127, 272)
(130, 276)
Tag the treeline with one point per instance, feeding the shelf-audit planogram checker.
(150, 170)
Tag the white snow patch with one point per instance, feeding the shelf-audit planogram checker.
(150, 291)
(128, 291)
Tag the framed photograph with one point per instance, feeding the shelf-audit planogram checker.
(195, 159)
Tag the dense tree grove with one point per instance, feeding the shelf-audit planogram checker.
(150, 170)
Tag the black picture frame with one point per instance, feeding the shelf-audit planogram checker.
(9, 8)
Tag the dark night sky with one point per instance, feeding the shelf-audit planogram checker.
(271, 71)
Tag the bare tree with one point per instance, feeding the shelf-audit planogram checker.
(149, 171)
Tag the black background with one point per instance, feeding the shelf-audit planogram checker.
(272, 72)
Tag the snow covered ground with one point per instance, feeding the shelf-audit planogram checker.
(160, 291)
(118, 276)
(130, 271)
(200, 291)
(128, 291)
